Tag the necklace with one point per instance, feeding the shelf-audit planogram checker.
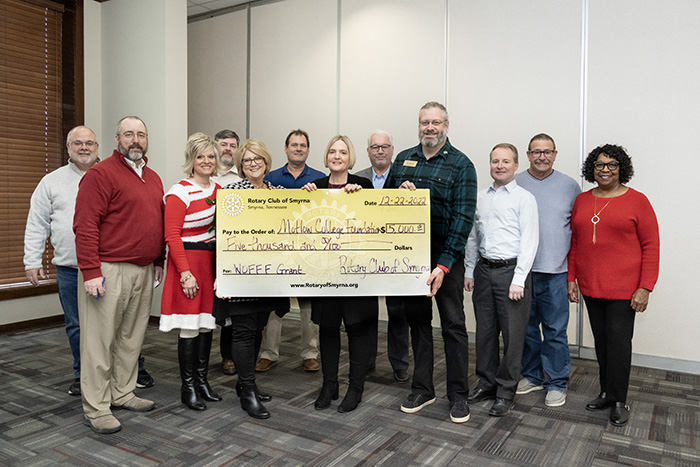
(596, 215)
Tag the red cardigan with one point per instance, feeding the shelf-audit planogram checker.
(625, 256)
(118, 217)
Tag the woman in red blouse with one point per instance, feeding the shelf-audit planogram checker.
(188, 293)
(614, 262)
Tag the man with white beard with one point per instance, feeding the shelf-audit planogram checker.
(118, 227)
(451, 178)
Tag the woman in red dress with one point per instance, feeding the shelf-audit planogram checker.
(188, 293)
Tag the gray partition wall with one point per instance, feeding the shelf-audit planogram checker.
(588, 72)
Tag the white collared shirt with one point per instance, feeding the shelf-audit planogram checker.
(506, 226)
(137, 168)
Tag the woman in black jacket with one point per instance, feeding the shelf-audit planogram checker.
(357, 313)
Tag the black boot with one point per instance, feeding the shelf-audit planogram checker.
(251, 404)
(351, 400)
(262, 396)
(186, 356)
(329, 392)
(201, 384)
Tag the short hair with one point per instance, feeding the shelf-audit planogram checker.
(79, 127)
(297, 132)
(199, 143)
(543, 136)
(258, 148)
(227, 134)
(380, 133)
(614, 152)
(348, 143)
(431, 104)
(129, 117)
(512, 148)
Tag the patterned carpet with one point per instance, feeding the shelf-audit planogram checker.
(41, 425)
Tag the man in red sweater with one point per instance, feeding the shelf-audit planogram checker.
(118, 227)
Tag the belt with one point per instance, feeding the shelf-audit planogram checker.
(500, 263)
(208, 246)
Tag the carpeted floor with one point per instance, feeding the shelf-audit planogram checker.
(40, 424)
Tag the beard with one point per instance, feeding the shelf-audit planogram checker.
(431, 143)
(227, 159)
(134, 153)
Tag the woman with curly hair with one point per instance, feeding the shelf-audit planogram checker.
(614, 262)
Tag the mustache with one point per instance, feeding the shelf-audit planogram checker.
(136, 146)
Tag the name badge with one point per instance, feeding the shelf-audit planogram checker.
(408, 163)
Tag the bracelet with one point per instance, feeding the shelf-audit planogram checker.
(185, 279)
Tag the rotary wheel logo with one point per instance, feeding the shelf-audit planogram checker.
(232, 204)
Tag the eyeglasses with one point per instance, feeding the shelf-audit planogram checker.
(131, 134)
(546, 153)
(255, 160)
(78, 144)
(426, 123)
(612, 166)
(383, 147)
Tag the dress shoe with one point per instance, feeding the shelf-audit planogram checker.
(479, 395)
(311, 365)
(351, 400)
(501, 407)
(599, 403)
(74, 389)
(228, 367)
(619, 414)
(104, 425)
(137, 404)
(263, 365)
(401, 376)
(144, 380)
(329, 392)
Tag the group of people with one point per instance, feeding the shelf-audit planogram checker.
(524, 247)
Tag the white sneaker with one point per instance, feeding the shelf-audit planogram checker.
(555, 398)
(525, 386)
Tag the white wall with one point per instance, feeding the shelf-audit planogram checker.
(588, 72)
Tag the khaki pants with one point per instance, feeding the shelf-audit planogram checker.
(272, 335)
(111, 334)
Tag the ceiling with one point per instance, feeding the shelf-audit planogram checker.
(198, 7)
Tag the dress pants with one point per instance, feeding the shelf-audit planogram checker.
(496, 313)
(358, 352)
(272, 335)
(612, 323)
(546, 359)
(111, 334)
(67, 279)
(396, 343)
(246, 336)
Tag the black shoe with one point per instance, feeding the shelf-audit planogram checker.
(329, 391)
(187, 357)
(251, 404)
(619, 414)
(262, 396)
(351, 400)
(479, 395)
(203, 342)
(401, 376)
(144, 380)
(599, 403)
(459, 411)
(415, 402)
(501, 407)
(74, 389)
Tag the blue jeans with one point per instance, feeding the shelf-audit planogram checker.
(67, 279)
(546, 359)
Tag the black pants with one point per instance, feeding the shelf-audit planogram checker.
(358, 350)
(612, 323)
(246, 337)
(497, 314)
(396, 343)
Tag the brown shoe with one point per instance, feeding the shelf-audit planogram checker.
(311, 365)
(137, 404)
(229, 367)
(264, 364)
(104, 425)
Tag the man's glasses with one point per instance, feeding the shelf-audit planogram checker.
(78, 144)
(383, 147)
(546, 153)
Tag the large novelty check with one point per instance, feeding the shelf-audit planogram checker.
(322, 243)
